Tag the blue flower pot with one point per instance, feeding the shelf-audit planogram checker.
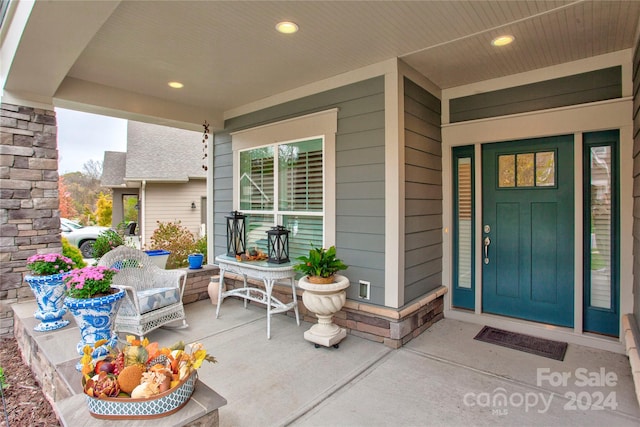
(49, 292)
(95, 317)
(195, 261)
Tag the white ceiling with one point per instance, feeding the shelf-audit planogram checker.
(228, 54)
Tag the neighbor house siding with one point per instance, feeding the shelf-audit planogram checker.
(423, 192)
(581, 88)
(359, 173)
(636, 182)
(166, 202)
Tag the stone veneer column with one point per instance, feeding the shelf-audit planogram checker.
(29, 205)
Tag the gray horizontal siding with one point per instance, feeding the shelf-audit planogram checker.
(222, 188)
(423, 192)
(636, 181)
(581, 88)
(359, 172)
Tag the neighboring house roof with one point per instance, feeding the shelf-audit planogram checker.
(161, 153)
(154, 153)
(113, 169)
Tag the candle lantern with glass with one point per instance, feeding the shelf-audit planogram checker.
(236, 234)
(278, 245)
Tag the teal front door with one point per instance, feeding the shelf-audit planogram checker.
(528, 229)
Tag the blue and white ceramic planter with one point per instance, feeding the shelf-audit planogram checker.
(95, 317)
(49, 292)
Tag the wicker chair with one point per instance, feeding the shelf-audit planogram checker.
(154, 295)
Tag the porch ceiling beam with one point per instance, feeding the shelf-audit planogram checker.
(90, 97)
(53, 36)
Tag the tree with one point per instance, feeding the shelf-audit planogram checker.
(92, 169)
(104, 209)
(130, 208)
(84, 188)
(67, 208)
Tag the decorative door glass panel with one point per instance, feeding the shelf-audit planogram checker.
(545, 169)
(507, 170)
(525, 168)
(531, 169)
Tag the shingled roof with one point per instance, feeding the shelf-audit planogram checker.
(113, 169)
(155, 153)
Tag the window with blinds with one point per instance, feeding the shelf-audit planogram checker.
(283, 184)
(463, 228)
(601, 209)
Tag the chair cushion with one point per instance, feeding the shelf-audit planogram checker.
(152, 299)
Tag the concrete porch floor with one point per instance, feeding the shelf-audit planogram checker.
(443, 377)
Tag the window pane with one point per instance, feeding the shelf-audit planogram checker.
(507, 171)
(601, 280)
(464, 223)
(257, 227)
(525, 170)
(545, 169)
(256, 179)
(300, 176)
(304, 231)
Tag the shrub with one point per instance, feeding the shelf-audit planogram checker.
(175, 238)
(106, 241)
(200, 247)
(73, 253)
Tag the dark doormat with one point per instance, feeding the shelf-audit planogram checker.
(527, 343)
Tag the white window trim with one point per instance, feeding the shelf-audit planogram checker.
(322, 124)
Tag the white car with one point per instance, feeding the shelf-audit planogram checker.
(81, 236)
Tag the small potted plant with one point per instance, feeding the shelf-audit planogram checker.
(46, 283)
(321, 265)
(196, 258)
(92, 300)
(324, 294)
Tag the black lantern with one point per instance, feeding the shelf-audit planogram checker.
(236, 234)
(278, 245)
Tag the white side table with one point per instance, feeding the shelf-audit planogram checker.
(269, 273)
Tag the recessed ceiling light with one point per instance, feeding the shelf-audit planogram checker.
(176, 85)
(502, 40)
(287, 27)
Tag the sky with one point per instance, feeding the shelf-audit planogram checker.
(83, 137)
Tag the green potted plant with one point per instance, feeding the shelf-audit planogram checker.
(198, 254)
(321, 265)
(324, 294)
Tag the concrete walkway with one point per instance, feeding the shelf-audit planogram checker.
(444, 377)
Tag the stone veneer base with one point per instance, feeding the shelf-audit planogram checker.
(392, 327)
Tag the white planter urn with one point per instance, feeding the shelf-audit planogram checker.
(325, 300)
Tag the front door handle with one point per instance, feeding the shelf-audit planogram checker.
(487, 242)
